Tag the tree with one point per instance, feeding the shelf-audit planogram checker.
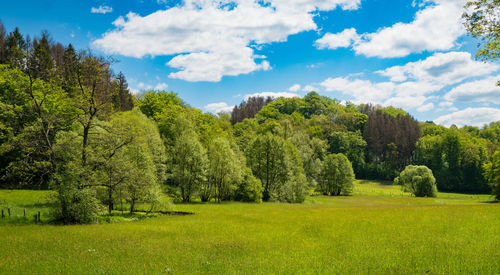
(3, 58)
(249, 189)
(337, 176)
(15, 48)
(268, 159)
(75, 200)
(223, 171)
(189, 164)
(492, 174)
(249, 108)
(33, 111)
(350, 144)
(122, 99)
(482, 21)
(418, 180)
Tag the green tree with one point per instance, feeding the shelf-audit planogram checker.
(223, 171)
(337, 176)
(249, 189)
(482, 22)
(492, 174)
(189, 164)
(418, 180)
(268, 159)
(350, 144)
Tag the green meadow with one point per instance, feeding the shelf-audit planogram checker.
(378, 230)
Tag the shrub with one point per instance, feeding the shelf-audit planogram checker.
(337, 176)
(418, 180)
(250, 189)
(294, 191)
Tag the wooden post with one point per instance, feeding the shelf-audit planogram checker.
(8, 210)
(39, 216)
(3, 215)
(25, 212)
(35, 217)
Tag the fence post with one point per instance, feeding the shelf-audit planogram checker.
(3, 215)
(35, 217)
(8, 210)
(39, 216)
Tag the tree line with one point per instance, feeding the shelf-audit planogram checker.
(70, 124)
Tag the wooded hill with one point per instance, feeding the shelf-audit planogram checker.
(69, 123)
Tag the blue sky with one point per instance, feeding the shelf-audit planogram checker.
(412, 54)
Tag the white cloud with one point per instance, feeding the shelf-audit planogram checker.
(272, 94)
(470, 116)
(310, 88)
(101, 9)
(484, 90)
(210, 38)
(333, 41)
(219, 107)
(294, 88)
(410, 84)
(407, 102)
(426, 107)
(445, 104)
(363, 91)
(161, 86)
(440, 69)
(434, 28)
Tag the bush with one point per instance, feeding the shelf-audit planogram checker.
(294, 191)
(250, 189)
(418, 180)
(337, 176)
(77, 207)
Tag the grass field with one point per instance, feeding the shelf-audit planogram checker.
(379, 230)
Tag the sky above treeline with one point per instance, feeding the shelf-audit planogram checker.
(412, 54)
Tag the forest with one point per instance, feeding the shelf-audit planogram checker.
(70, 124)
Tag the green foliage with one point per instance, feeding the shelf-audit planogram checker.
(350, 144)
(269, 161)
(336, 176)
(249, 189)
(492, 174)
(224, 170)
(417, 180)
(482, 22)
(189, 165)
(456, 159)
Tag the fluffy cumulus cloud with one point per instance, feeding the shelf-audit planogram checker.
(484, 90)
(332, 41)
(436, 27)
(413, 85)
(211, 38)
(362, 91)
(441, 69)
(101, 9)
(470, 116)
(218, 107)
